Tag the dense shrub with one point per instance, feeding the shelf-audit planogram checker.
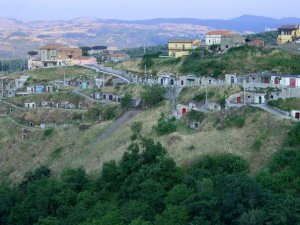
(126, 101)
(48, 132)
(294, 136)
(153, 95)
(165, 126)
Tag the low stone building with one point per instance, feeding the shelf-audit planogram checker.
(295, 114)
(30, 105)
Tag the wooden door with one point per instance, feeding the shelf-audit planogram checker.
(238, 100)
(292, 82)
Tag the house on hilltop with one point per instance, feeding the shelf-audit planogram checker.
(182, 47)
(225, 38)
(52, 55)
(288, 34)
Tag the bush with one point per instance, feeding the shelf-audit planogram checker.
(294, 136)
(93, 113)
(257, 145)
(136, 127)
(153, 95)
(195, 116)
(165, 126)
(48, 132)
(109, 113)
(126, 101)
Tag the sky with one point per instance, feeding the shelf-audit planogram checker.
(29, 10)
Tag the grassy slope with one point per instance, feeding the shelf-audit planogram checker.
(286, 104)
(69, 147)
(51, 97)
(242, 60)
(215, 94)
(50, 74)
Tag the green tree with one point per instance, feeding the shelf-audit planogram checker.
(126, 101)
(153, 95)
(173, 215)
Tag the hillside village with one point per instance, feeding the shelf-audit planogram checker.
(81, 107)
(149, 112)
(101, 85)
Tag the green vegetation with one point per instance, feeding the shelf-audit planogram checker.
(42, 76)
(232, 119)
(286, 104)
(153, 95)
(195, 116)
(165, 125)
(214, 94)
(139, 52)
(147, 188)
(101, 112)
(48, 132)
(136, 128)
(270, 37)
(243, 59)
(126, 101)
(51, 97)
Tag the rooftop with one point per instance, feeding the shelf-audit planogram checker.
(52, 46)
(221, 32)
(289, 27)
(181, 41)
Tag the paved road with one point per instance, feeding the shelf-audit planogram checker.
(276, 113)
(116, 125)
(266, 108)
(98, 68)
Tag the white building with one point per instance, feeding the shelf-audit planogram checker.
(215, 37)
(30, 105)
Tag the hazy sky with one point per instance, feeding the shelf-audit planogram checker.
(143, 9)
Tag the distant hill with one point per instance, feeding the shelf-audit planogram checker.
(242, 24)
(19, 37)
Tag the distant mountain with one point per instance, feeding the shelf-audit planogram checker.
(241, 24)
(19, 37)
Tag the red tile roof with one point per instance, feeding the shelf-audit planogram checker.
(221, 32)
(53, 46)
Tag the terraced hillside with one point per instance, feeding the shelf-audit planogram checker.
(240, 60)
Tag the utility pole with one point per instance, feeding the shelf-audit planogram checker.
(64, 79)
(206, 98)
(146, 72)
(244, 92)
(2, 91)
(103, 81)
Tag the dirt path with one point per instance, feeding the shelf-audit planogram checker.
(116, 125)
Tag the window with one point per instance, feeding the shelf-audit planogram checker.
(232, 80)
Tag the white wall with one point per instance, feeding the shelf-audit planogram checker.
(213, 39)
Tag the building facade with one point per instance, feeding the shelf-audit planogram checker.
(181, 47)
(288, 34)
(225, 38)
